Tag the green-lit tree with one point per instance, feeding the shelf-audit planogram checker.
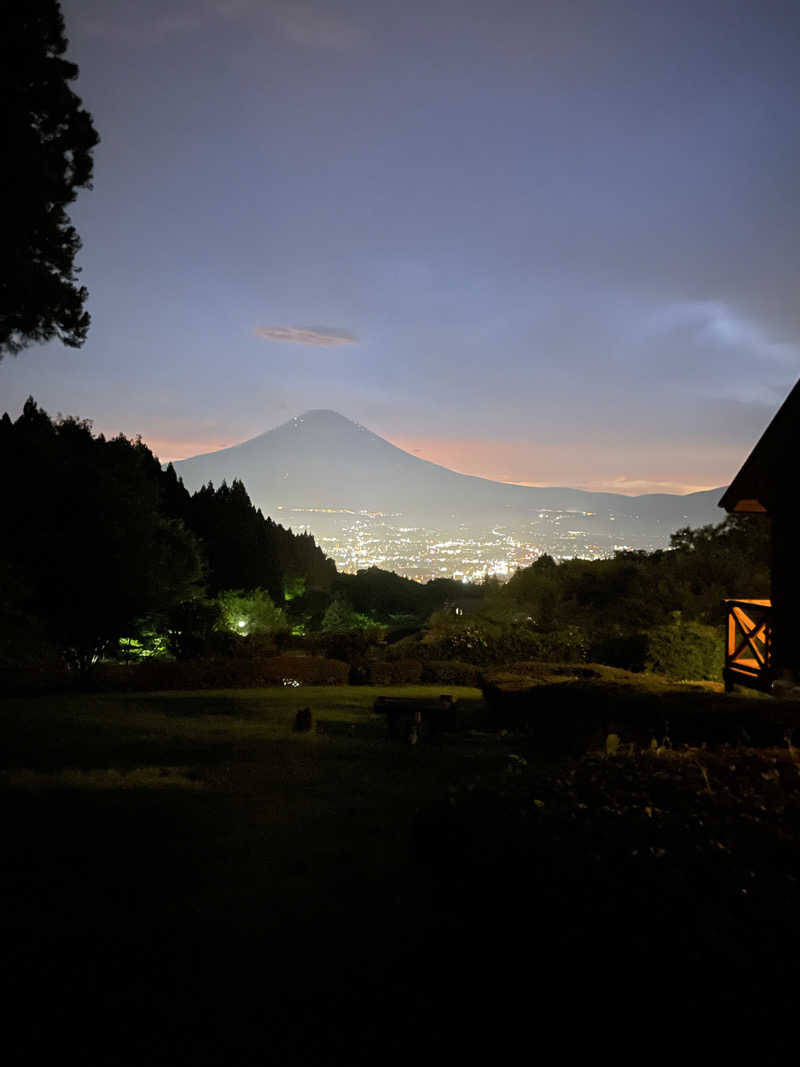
(340, 617)
(48, 140)
(250, 614)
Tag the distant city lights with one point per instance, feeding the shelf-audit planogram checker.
(466, 552)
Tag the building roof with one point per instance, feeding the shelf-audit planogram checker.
(769, 474)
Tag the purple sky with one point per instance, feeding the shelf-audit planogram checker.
(546, 242)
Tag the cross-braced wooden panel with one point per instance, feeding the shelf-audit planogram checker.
(748, 656)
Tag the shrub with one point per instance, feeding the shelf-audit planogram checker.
(308, 670)
(628, 651)
(685, 650)
(470, 644)
(511, 679)
(340, 617)
(409, 647)
(255, 646)
(682, 650)
(224, 673)
(484, 646)
(350, 645)
(397, 672)
(252, 612)
(47, 677)
(567, 644)
(450, 672)
(192, 629)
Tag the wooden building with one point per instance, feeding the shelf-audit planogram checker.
(764, 635)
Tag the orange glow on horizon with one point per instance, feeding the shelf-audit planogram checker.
(598, 466)
(662, 468)
(169, 450)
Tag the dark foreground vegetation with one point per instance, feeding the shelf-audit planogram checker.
(189, 880)
(108, 562)
(583, 851)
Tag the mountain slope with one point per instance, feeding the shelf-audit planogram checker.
(323, 460)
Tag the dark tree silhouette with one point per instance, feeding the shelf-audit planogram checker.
(237, 540)
(244, 550)
(98, 543)
(303, 563)
(90, 555)
(381, 593)
(48, 139)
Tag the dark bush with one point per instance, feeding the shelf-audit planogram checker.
(47, 677)
(359, 673)
(191, 628)
(224, 673)
(408, 647)
(477, 645)
(350, 645)
(397, 672)
(686, 650)
(682, 650)
(254, 646)
(626, 651)
(567, 644)
(450, 672)
(308, 670)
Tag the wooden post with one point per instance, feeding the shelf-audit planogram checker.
(785, 567)
(730, 648)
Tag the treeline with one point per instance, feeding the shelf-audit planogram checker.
(102, 546)
(661, 611)
(107, 555)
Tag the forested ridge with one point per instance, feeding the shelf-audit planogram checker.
(100, 544)
(106, 555)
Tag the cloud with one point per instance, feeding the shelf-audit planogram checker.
(718, 324)
(129, 27)
(306, 24)
(307, 335)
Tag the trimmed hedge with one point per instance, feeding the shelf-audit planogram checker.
(228, 673)
(482, 648)
(397, 672)
(476, 646)
(450, 672)
(680, 650)
(25, 679)
(686, 650)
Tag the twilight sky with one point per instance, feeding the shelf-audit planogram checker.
(552, 242)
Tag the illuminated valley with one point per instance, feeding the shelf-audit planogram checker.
(369, 503)
(462, 550)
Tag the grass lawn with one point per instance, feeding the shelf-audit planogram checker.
(277, 821)
(163, 849)
(187, 880)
